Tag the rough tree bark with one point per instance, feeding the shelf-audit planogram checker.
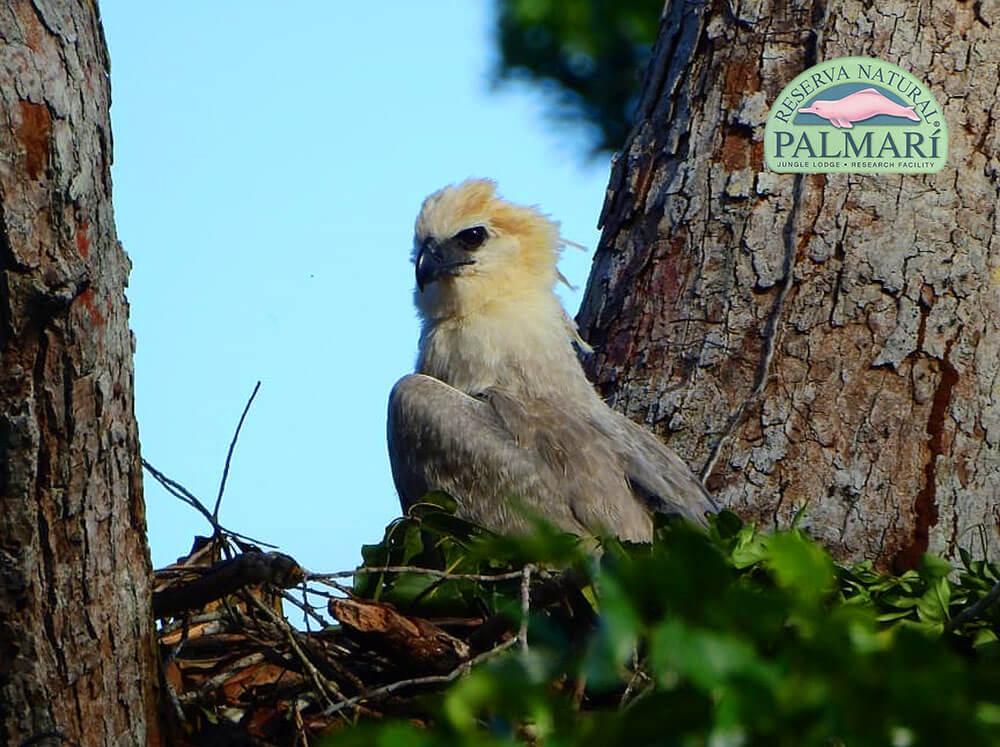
(829, 340)
(76, 641)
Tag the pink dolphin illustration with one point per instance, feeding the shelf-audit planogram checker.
(858, 106)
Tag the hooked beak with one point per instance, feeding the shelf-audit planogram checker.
(435, 261)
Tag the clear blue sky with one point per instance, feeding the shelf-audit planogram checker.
(269, 161)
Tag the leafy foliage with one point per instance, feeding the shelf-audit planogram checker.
(589, 53)
(730, 637)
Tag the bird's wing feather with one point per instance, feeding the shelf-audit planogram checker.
(659, 477)
(587, 468)
(494, 452)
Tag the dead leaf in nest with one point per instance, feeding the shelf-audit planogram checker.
(257, 675)
(419, 641)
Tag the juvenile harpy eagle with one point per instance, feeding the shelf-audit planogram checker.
(500, 414)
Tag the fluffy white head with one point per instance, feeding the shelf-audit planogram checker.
(517, 258)
(486, 271)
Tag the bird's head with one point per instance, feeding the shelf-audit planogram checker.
(473, 250)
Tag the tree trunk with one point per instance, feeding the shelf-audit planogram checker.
(77, 661)
(820, 341)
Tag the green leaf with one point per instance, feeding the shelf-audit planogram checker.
(750, 548)
(890, 616)
(800, 566)
(709, 659)
(984, 636)
(932, 607)
(413, 544)
(934, 567)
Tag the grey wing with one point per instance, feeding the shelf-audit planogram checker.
(498, 454)
(658, 476)
(442, 439)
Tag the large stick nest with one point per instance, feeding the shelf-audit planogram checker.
(424, 609)
(236, 671)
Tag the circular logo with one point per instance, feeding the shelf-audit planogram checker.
(855, 114)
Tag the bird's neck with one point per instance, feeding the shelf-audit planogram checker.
(523, 347)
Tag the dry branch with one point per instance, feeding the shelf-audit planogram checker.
(225, 578)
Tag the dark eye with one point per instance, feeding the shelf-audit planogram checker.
(471, 238)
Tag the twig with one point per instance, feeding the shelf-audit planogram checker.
(323, 685)
(637, 674)
(638, 693)
(437, 679)
(306, 607)
(345, 590)
(179, 491)
(482, 577)
(330, 659)
(218, 680)
(300, 725)
(974, 610)
(187, 620)
(172, 657)
(229, 454)
(174, 701)
(522, 633)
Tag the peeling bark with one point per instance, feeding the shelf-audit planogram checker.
(77, 661)
(828, 341)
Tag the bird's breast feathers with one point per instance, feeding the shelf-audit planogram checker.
(519, 349)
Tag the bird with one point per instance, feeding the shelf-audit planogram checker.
(499, 413)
